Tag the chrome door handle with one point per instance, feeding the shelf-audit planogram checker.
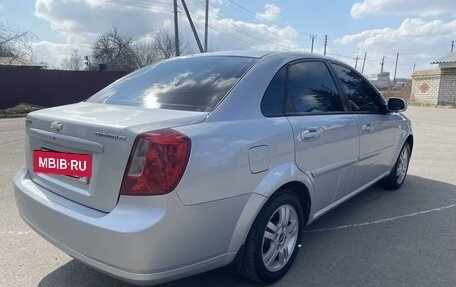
(309, 135)
(368, 128)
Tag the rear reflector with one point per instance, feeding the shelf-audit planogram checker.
(157, 162)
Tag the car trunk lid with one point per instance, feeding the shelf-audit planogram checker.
(107, 133)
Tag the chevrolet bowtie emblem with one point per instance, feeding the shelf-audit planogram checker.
(56, 126)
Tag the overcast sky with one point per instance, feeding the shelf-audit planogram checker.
(420, 30)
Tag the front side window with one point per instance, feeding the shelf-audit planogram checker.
(361, 96)
(311, 89)
(190, 84)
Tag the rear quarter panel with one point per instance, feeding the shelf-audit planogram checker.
(219, 162)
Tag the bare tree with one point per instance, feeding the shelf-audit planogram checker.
(15, 45)
(73, 62)
(145, 53)
(162, 47)
(116, 51)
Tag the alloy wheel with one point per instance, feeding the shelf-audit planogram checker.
(280, 237)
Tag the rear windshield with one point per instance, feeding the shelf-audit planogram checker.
(190, 84)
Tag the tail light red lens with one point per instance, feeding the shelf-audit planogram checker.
(157, 162)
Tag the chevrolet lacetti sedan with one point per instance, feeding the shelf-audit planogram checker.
(206, 161)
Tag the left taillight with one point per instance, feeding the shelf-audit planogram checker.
(157, 163)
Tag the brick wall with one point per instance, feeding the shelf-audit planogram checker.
(434, 87)
(447, 91)
(425, 87)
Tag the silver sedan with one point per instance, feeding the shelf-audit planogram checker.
(206, 161)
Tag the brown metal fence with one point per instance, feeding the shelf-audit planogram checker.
(50, 87)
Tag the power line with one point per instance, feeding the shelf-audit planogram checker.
(240, 34)
(235, 12)
(231, 36)
(248, 12)
(336, 51)
(142, 5)
(239, 8)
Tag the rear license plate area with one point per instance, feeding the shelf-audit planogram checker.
(73, 165)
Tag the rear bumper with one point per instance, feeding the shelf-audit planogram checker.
(143, 240)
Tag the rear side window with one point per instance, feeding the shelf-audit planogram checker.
(273, 101)
(190, 84)
(361, 96)
(311, 89)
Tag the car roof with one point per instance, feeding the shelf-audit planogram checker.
(240, 53)
(266, 54)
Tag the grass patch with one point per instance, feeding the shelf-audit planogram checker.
(20, 110)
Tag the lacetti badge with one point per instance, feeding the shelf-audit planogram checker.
(110, 136)
(72, 164)
(56, 126)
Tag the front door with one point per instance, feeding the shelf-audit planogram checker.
(377, 143)
(326, 137)
(376, 127)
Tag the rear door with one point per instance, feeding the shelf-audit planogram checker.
(376, 127)
(325, 135)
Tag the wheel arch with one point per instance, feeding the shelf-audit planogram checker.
(301, 191)
(409, 140)
(303, 194)
(257, 202)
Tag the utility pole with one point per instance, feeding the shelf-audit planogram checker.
(313, 38)
(414, 66)
(200, 47)
(206, 26)
(364, 62)
(176, 30)
(382, 63)
(326, 43)
(452, 46)
(356, 61)
(395, 69)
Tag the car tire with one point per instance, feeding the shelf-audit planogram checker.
(272, 243)
(397, 175)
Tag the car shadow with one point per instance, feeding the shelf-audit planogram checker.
(77, 274)
(374, 207)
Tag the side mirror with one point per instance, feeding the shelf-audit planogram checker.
(396, 105)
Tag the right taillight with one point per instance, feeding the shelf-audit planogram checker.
(157, 162)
